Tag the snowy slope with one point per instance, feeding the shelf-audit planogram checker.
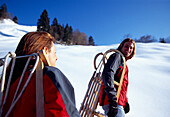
(11, 33)
(149, 70)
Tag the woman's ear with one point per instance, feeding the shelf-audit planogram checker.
(45, 50)
(44, 56)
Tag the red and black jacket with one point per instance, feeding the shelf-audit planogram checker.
(112, 71)
(59, 96)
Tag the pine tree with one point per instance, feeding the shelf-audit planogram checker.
(71, 34)
(43, 22)
(91, 41)
(3, 11)
(55, 22)
(162, 40)
(54, 30)
(15, 19)
(66, 34)
(61, 32)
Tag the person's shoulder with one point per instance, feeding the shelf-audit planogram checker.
(115, 55)
(57, 77)
(53, 71)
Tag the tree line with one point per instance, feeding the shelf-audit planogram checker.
(62, 34)
(4, 14)
(148, 39)
(66, 34)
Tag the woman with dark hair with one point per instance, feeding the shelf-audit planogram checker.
(59, 98)
(112, 71)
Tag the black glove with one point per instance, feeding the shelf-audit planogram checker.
(127, 108)
(112, 110)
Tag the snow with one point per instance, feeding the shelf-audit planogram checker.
(149, 70)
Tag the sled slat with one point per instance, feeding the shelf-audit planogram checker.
(91, 97)
(90, 102)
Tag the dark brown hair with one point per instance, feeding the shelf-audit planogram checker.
(122, 44)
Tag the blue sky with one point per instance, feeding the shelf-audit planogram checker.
(107, 21)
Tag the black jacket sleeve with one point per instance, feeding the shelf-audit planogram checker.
(110, 69)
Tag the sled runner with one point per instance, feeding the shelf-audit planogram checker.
(90, 101)
(40, 62)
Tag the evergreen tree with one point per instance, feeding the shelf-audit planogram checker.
(55, 22)
(43, 22)
(91, 41)
(71, 34)
(3, 12)
(15, 19)
(71, 30)
(162, 40)
(67, 35)
(61, 32)
(54, 30)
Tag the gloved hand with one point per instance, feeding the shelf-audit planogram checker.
(112, 110)
(127, 108)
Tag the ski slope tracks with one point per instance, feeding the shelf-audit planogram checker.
(149, 70)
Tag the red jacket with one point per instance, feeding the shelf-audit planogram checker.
(112, 71)
(58, 96)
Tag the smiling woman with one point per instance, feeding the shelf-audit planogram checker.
(112, 105)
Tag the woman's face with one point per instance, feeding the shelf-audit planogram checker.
(52, 55)
(127, 49)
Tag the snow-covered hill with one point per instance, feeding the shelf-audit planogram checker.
(149, 70)
(11, 33)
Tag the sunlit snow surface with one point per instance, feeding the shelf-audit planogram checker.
(149, 70)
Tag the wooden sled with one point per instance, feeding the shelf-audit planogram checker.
(90, 101)
(41, 61)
